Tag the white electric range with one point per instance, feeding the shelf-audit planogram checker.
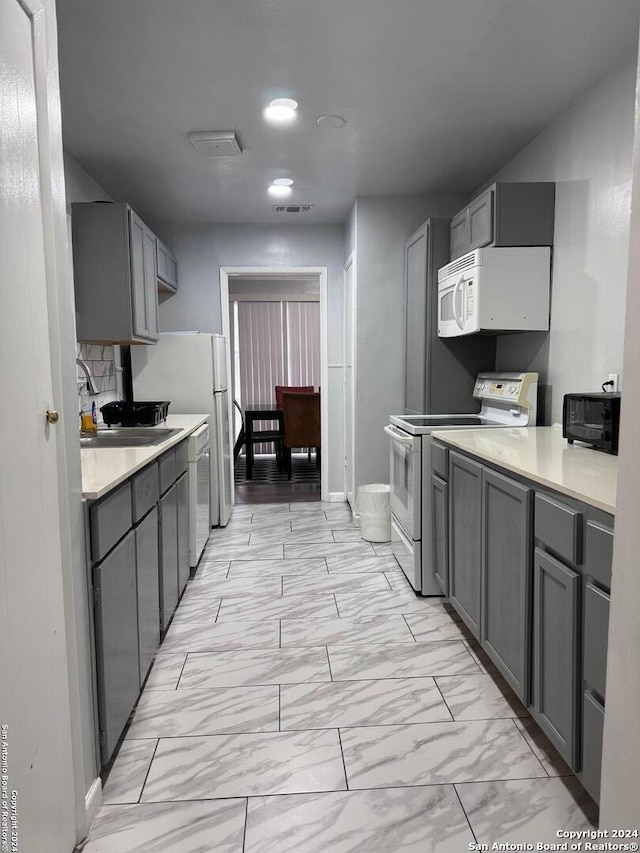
(506, 400)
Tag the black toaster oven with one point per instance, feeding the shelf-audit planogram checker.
(593, 419)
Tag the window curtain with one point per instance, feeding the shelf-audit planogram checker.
(278, 344)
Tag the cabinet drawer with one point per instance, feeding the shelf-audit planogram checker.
(144, 491)
(560, 527)
(167, 466)
(596, 631)
(440, 460)
(599, 553)
(110, 519)
(592, 729)
(182, 458)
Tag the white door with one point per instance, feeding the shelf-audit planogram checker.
(34, 694)
(349, 379)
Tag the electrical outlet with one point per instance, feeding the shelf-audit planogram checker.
(615, 379)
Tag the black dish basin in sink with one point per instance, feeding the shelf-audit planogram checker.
(126, 437)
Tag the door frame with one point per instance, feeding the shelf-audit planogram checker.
(288, 272)
(349, 436)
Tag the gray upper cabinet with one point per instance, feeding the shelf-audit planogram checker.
(505, 214)
(480, 221)
(439, 372)
(115, 278)
(465, 528)
(167, 269)
(506, 577)
(458, 229)
(556, 591)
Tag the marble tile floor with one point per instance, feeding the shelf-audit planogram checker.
(304, 699)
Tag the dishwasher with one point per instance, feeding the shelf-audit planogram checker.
(199, 494)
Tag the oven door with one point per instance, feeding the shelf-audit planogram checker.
(405, 477)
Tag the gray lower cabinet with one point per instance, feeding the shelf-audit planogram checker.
(465, 529)
(182, 487)
(116, 631)
(440, 531)
(555, 636)
(506, 577)
(168, 557)
(148, 590)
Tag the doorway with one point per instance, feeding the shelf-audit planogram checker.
(275, 324)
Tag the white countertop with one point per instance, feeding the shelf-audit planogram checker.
(103, 468)
(543, 455)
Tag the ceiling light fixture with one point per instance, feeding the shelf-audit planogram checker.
(283, 182)
(281, 110)
(279, 190)
(331, 121)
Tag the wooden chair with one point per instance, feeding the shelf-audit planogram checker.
(301, 413)
(291, 389)
(267, 436)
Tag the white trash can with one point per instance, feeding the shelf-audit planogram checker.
(373, 505)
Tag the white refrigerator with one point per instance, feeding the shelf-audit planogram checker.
(190, 370)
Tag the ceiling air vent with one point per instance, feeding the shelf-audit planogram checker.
(216, 143)
(292, 208)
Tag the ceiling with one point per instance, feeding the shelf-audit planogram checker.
(438, 94)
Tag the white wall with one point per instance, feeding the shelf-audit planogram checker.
(380, 229)
(621, 751)
(587, 151)
(202, 250)
(80, 185)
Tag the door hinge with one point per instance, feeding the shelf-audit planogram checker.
(96, 595)
(103, 743)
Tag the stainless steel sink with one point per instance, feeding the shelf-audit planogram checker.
(126, 437)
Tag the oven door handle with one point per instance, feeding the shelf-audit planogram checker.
(397, 435)
(457, 288)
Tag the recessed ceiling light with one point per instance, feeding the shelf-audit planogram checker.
(283, 182)
(282, 109)
(279, 191)
(331, 121)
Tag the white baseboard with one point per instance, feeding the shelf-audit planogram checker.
(336, 497)
(93, 801)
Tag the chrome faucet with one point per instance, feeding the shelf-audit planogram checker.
(91, 383)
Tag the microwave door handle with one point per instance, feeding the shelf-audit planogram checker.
(456, 290)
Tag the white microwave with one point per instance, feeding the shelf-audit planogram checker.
(495, 290)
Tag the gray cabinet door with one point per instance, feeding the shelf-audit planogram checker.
(139, 294)
(182, 487)
(144, 298)
(116, 627)
(440, 531)
(168, 564)
(465, 520)
(148, 586)
(167, 268)
(416, 251)
(151, 283)
(555, 652)
(506, 577)
(459, 234)
(481, 221)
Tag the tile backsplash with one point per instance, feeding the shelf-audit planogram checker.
(103, 363)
